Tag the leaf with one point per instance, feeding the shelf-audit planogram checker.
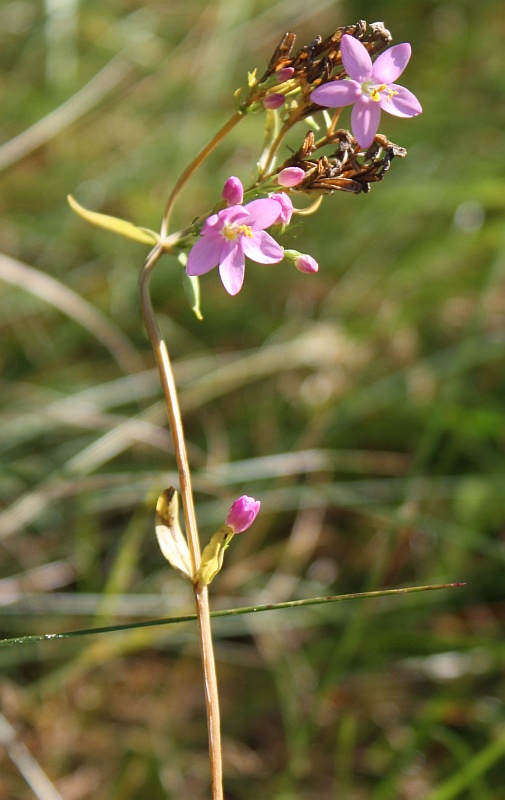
(114, 224)
(191, 286)
(171, 539)
(213, 553)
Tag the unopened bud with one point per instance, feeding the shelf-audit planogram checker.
(284, 74)
(242, 513)
(307, 264)
(273, 101)
(290, 176)
(302, 261)
(233, 191)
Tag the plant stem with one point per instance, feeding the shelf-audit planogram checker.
(193, 166)
(201, 593)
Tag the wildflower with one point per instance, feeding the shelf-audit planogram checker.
(275, 100)
(242, 513)
(290, 176)
(370, 88)
(234, 233)
(233, 191)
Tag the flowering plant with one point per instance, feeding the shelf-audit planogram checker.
(249, 222)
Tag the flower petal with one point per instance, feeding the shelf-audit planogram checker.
(262, 248)
(232, 270)
(336, 94)
(365, 118)
(262, 213)
(390, 64)
(355, 58)
(205, 254)
(286, 209)
(401, 104)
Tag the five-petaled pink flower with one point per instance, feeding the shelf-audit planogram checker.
(242, 513)
(370, 88)
(234, 233)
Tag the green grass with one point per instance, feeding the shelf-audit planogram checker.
(363, 406)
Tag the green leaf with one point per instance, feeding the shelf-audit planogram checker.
(191, 286)
(171, 539)
(114, 224)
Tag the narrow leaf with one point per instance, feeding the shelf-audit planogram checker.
(114, 224)
(191, 286)
(171, 539)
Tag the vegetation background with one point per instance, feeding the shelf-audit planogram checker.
(364, 406)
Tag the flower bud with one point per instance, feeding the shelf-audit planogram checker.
(274, 100)
(302, 261)
(307, 264)
(286, 208)
(242, 513)
(233, 191)
(284, 74)
(290, 176)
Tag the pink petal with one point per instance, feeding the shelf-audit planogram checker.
(286, 209)
(401, 104)
(262, 248)
(336, 94)
(262, 213)
(355, 58)
(205, 254)
(365, 119)
(232, 270)
(390, 64)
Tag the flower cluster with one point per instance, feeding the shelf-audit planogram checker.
(239, 231)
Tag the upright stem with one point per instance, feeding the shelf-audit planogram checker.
(201, 594)
(193, 166)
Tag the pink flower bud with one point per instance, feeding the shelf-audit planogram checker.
(305, 263)
(242, 513)
(233, 191)
(274, 101)
(290, 176)
(286, 208)
(284, 74)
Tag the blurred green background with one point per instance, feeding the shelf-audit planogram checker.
(363, 406)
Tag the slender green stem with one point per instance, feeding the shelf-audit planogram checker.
(228, 612)
(193, 166)
(201, 594)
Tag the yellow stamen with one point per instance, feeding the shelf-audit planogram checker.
(376, 90)
(245, 230)
(231, 232)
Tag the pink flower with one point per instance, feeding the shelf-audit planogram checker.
(290, 176)
(234, 233)
(370, 88)
(233, 191)
(242, 513)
